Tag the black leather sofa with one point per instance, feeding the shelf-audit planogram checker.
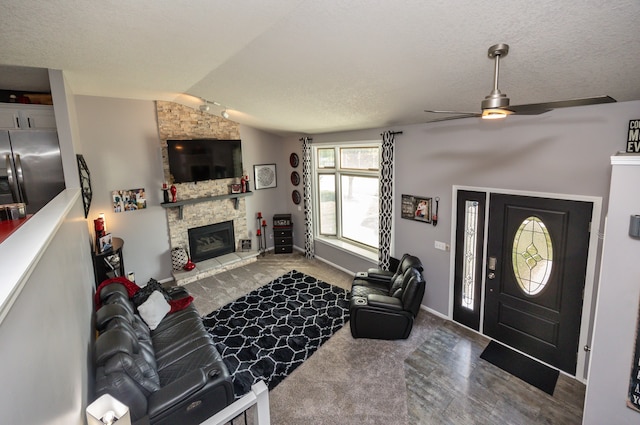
(170, 375)
(383, 303)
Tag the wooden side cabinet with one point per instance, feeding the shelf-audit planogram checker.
(282, 234)
(110, 263)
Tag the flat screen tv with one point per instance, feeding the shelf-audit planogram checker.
(204, 159)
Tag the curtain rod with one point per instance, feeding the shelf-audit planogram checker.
(393, 132)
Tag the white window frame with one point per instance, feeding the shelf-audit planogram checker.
(338, 240)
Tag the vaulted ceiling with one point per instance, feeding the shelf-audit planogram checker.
(304, 66)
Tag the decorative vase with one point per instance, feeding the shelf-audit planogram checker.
(179, 259)
(174, 192)
(189, 266)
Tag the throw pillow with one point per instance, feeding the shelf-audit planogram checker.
(154, 309)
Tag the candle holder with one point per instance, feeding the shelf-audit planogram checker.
(264, 236)
(261, 234)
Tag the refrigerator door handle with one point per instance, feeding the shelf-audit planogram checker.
(12, 180)
(20, 179)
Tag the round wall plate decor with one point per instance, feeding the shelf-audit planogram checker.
(295, 196)
(295, 178)
(294, 160)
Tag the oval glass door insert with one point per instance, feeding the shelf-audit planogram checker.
(532, 256)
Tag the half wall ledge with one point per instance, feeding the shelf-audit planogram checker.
(214, 266)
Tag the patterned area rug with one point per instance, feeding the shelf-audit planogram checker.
(268, 333)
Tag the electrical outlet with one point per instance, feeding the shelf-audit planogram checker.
(442, 246)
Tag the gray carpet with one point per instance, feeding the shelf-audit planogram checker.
(425, 379)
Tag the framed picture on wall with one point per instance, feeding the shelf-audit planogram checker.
(416, 208)
(265, 176)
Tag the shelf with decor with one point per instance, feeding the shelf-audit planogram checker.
(180, 204)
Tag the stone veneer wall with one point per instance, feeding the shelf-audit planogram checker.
(177, 121)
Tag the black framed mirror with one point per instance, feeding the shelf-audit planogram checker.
(85, 184)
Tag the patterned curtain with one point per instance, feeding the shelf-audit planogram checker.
(386, 199)
(309, 247)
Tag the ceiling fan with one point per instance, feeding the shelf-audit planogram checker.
(496, 104)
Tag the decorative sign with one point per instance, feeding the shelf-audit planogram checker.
(633, 140)
(416, 208)
(633, 402)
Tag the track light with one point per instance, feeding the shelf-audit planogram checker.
(206, 108)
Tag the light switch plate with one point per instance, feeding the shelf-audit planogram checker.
(442, 246)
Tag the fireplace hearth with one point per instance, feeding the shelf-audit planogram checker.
(211, 241)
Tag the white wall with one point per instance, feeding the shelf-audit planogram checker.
(46, 335)
(121, 146)
(617, 306)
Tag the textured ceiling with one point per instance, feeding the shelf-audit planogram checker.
(319, 66)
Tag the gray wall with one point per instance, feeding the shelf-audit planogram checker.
(564, 151)
(259, 147)
(45, 338)
(121, 147)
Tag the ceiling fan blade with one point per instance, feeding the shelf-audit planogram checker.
(456, 117)
(540, 108)
(452, 112)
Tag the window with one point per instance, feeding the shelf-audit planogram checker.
(532, 255)
(346, 192)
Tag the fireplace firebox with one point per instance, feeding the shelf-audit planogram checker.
(211, 241)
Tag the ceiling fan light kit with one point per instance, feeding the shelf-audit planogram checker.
(495, 114)
(497, 105)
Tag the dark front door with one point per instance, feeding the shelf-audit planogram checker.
(535, 274)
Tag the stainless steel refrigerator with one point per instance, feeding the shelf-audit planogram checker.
(30, 167)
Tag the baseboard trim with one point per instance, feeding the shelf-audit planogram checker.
(335, 266)
(434, 312)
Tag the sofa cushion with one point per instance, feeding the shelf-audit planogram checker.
(154, 309)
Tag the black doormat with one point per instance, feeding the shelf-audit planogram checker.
(268, 333)
(521, 366)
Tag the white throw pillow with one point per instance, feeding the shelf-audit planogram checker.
(154, 309)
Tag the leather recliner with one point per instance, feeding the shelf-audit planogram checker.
(383, 278)
(384, 307)
(170, 375)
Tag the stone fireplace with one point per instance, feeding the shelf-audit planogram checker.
(211, 241)
(177, 121)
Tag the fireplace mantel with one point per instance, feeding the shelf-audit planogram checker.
(181, 204)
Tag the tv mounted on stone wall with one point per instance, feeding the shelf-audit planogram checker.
(197, 160)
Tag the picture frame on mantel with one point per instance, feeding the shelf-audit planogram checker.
(265, 176)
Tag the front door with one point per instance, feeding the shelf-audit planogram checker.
(535, 274)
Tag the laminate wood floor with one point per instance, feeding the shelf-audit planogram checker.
(435, 376)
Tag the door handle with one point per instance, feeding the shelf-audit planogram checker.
(20, 179)
(11, 179)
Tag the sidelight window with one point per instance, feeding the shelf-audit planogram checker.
(470, 254)
(532, 256)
